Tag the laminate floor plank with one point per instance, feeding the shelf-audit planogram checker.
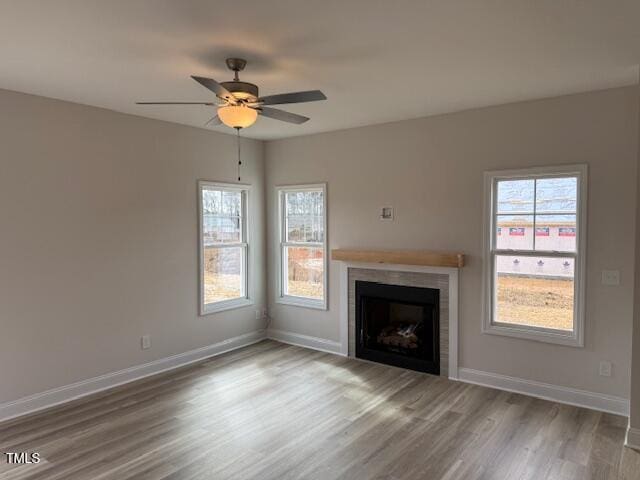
(277, 412)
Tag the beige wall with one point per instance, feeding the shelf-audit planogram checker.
(430, 170)
(99, 240)
(83, 187)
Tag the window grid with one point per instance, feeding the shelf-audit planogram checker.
(533, 252)
(575, 256)
(534, 214)
(316, 221)
(212, 237)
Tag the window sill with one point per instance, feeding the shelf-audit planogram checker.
(302, 302)
(536, 334)
(225, 305)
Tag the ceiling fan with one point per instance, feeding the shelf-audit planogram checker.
(239, 103)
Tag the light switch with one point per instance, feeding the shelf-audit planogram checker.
(611, 277)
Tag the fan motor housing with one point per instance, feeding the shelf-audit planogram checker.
(245, 91)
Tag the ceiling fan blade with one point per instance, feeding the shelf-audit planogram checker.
(282, 115)
(293, 97)
(215, 120)
(216, 88)
(174, 103)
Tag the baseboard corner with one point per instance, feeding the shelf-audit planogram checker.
(632, 439)
(300, 340)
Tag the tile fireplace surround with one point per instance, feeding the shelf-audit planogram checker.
(445, 279)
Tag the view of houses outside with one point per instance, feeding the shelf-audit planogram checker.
(538, 216)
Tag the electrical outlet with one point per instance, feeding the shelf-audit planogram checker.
(605, 369)
(145, 342)
(257, 314)
(611, 277)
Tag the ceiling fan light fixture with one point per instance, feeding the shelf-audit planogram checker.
(237, 116)
(239, 102)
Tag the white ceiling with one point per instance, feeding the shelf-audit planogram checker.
(376, 60)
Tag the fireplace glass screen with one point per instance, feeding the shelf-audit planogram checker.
(398, 325)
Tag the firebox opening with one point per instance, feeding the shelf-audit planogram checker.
(398, 325)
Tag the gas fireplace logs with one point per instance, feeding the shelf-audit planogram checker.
(399, 336)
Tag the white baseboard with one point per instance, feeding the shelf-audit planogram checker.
(66, 393)
(571, 396)
(632, 439)
(300, 340)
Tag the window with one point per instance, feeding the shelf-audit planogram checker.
(535, 253)
(223, 246)
(302, 275)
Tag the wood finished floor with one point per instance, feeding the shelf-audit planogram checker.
(272, 411)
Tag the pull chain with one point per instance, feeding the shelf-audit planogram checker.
(239, 159)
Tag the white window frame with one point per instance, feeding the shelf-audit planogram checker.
(245, 300)
(573, 338)
(282, 243)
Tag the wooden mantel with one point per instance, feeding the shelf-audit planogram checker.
(400, 257)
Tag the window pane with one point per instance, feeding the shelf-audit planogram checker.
(535, 291)
(221, 217)
(211, 201)
(296, 228)
(222, 274)
(515, 196)
(304, 216)
(220, 229)
(514, 232)
(556, 195)
(231, 202)
(556, 232)
(305, 272)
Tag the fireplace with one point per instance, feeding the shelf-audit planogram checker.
(398, 325)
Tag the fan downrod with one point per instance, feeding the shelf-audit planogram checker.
(236, 65)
